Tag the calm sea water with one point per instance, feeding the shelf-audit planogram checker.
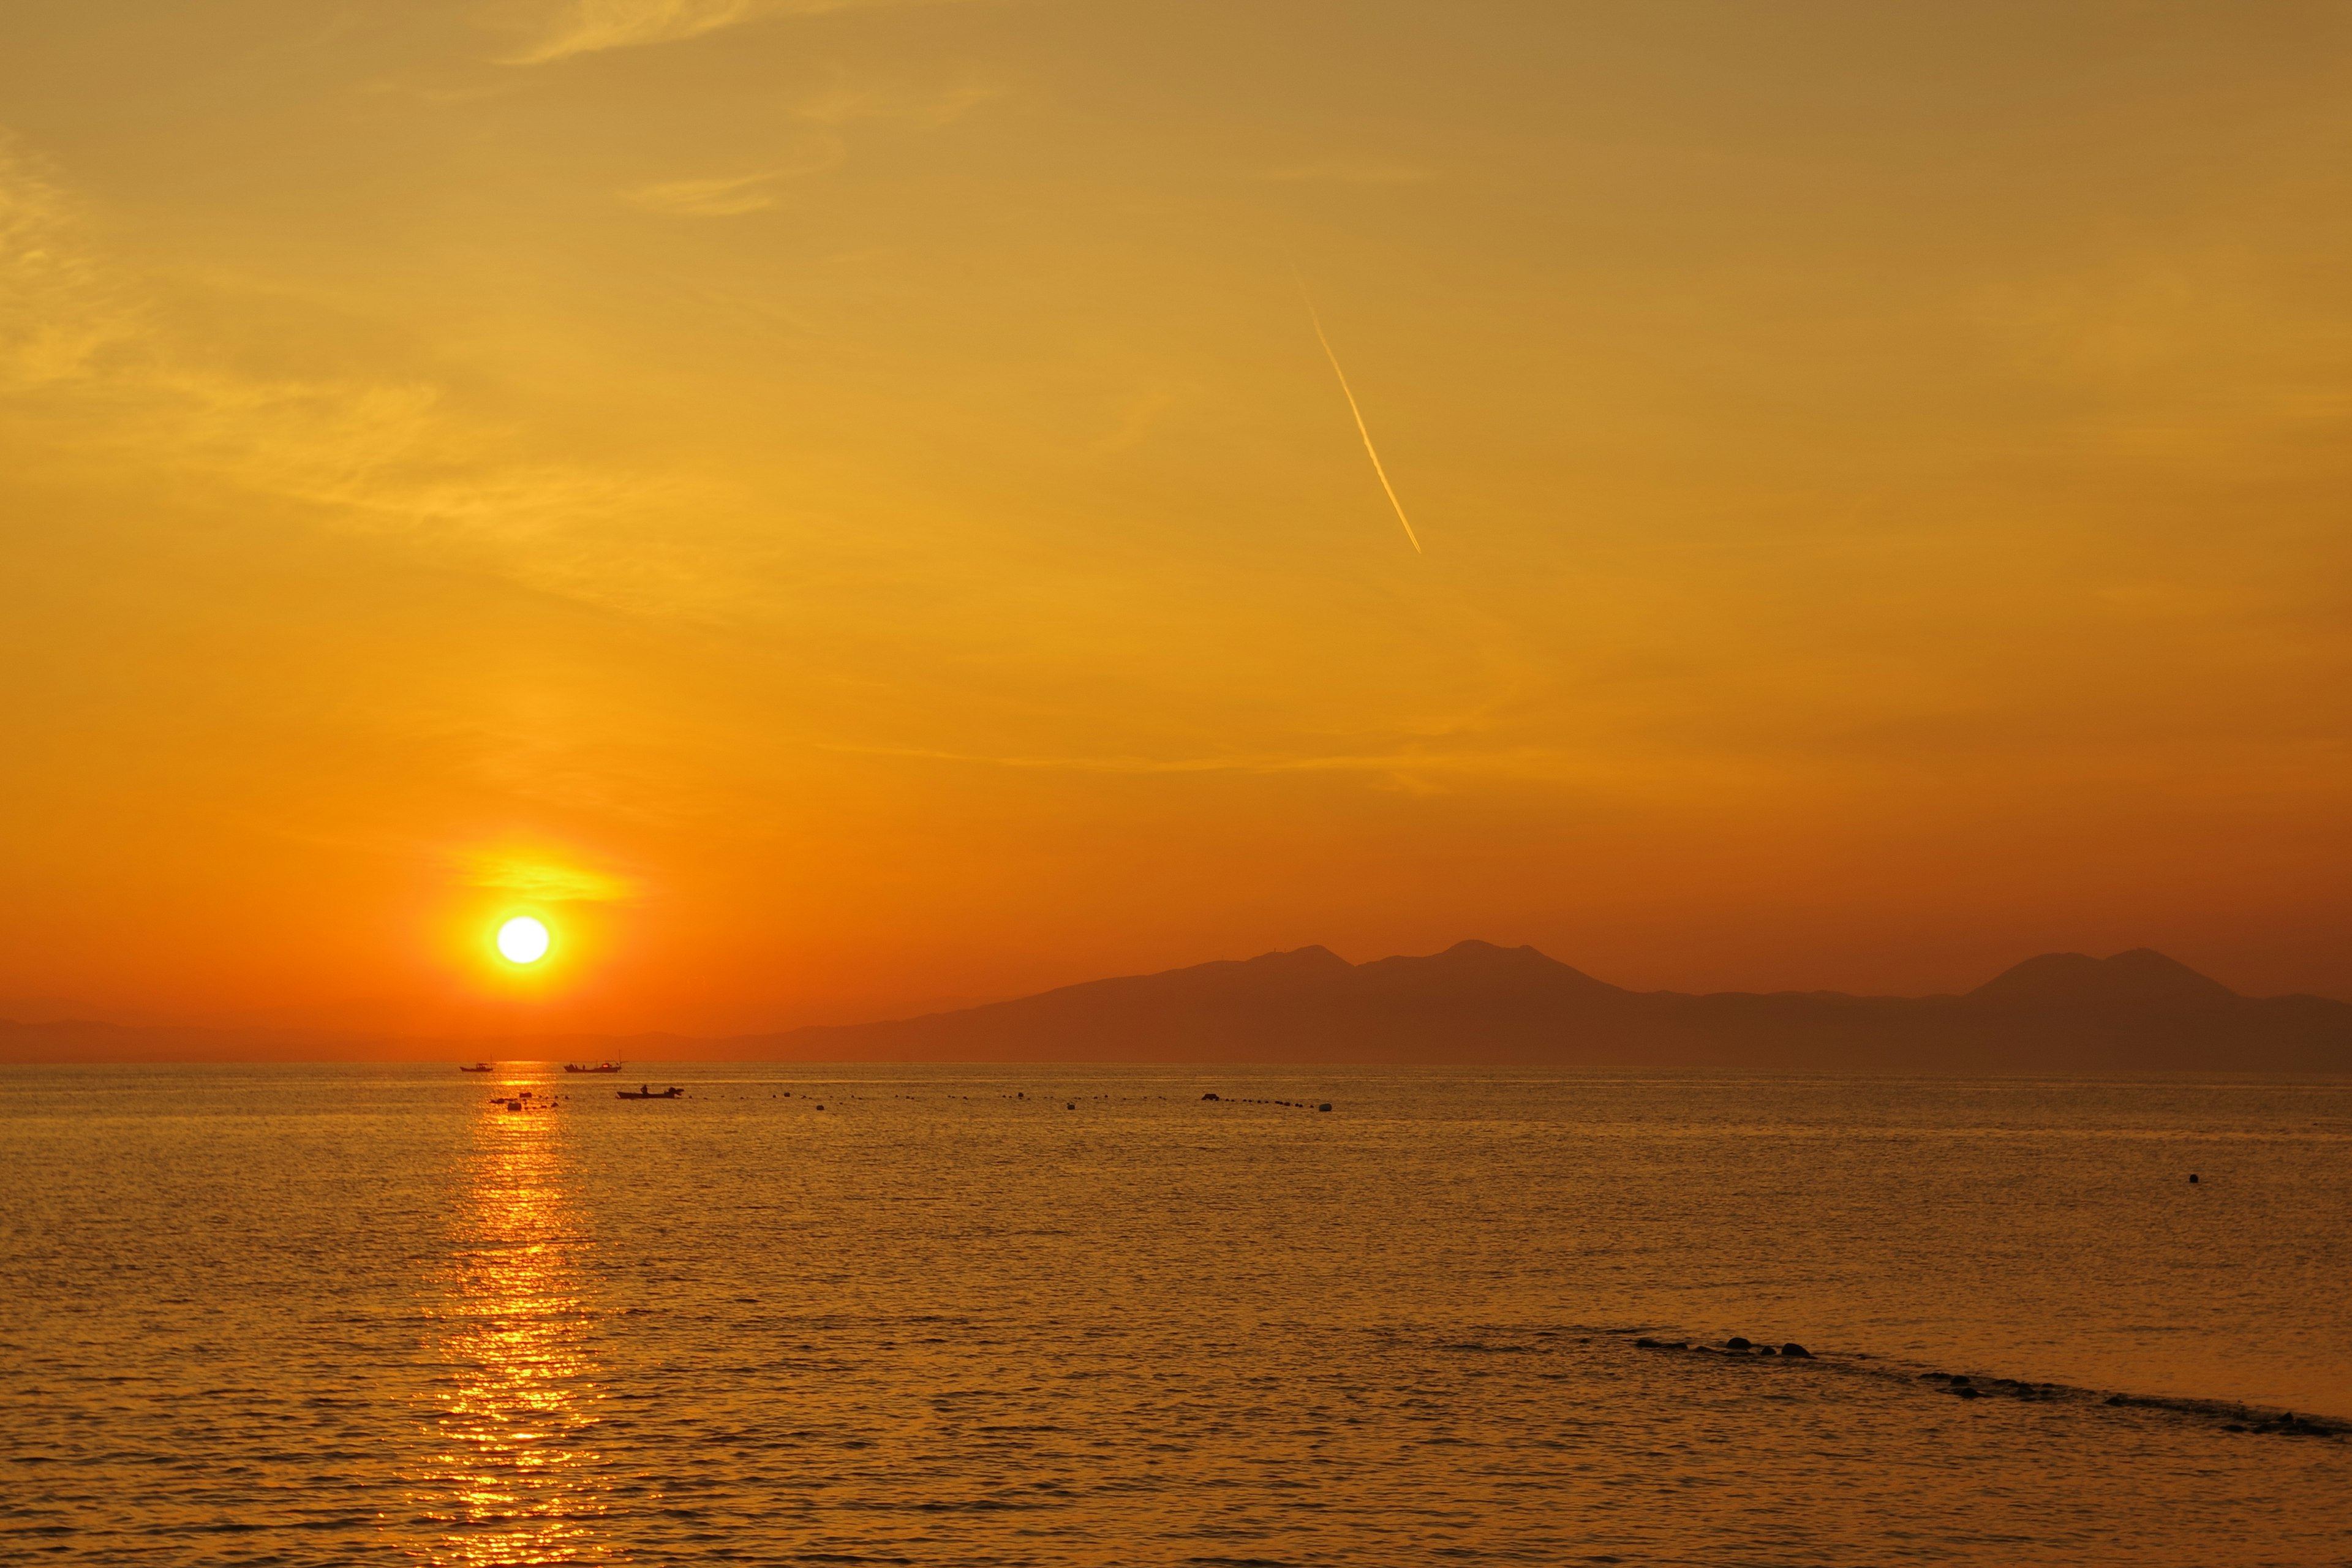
(1036, 1315)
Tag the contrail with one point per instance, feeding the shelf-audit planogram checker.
(1316, 316)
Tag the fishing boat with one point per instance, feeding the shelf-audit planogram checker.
(600, 1067)
(478, 1066)
(643, 1092)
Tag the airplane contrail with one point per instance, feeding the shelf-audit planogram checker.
(1369, 450)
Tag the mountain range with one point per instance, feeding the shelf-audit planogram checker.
(1472, 1005)
(1478, 1003)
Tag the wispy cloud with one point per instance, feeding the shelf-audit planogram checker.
(60, 315)
(542, 878)
(1352, 172)
(1532, 759)
(845, 101)
(732, 196)
(591, 26)
(82, 343)
(724, 197)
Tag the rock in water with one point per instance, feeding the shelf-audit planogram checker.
(1736, 1343)
(1793, 1347)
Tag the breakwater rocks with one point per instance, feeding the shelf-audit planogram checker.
(1736, 1345)
(1288, 1104)
(2228, 1416)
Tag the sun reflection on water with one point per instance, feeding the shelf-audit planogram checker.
(511, 1477)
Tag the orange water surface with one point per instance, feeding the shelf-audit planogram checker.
(1081, 1316)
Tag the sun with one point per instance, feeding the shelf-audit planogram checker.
(522, 939)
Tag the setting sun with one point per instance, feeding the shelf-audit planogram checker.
(522, 939)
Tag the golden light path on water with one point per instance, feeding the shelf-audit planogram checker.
(509, 1477)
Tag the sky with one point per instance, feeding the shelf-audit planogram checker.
(841, 508)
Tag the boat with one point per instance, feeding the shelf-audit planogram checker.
(478, 1066)
(643, 1092)
(600, 1067)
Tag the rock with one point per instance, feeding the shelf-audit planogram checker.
(1765, 1349)
(1965, 1393)
(2192, 1178)
(1649, 1344)
(1794, 1349)
(1736, 1343)
(1958, 1378)
(1071, 1105)
(1208, 1097)
(1325, 1106)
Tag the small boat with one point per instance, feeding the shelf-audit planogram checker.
(600, 1067)
(643, 1092)
(478, 1066)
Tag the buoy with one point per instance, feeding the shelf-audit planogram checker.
(2192, 1178)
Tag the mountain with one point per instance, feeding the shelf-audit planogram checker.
(2142, 977)
(1472, 1005)
(1476, 1004)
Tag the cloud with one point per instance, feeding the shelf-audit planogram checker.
(845, 101)
(543, 880)
(86, 360)
(1546, 761)
(60, 315)
(591, 26)
(1352, 172)
(726, 197)
(732, 196)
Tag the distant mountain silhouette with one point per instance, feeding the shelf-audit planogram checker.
(2142, 977)
(1476, 1004)
(1472, 1005)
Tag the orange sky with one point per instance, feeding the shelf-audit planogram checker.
(840, 506)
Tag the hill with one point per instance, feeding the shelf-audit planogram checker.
(1472, 1005)
(1476, 1004)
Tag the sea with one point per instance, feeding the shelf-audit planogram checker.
(1090, 1315)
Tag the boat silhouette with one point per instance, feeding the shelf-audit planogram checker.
(644, 1092)
(600, 1067)
(478, 1066)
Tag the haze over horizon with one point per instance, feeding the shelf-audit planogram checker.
(837, 508)
(1473, 1005)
